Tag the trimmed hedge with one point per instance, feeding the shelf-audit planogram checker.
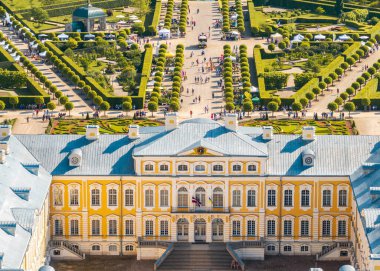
(371, 91)
(153, 21)
(146, 69)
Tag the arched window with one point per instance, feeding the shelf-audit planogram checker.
(217, 168)
(200, 194)
(149, 198)
(217, 197)
(129, 227)
(305, 198)
(251, 228)
(271, 227)
(149, 227)
(58, 227)
(164, 167)
(128, 197)
(112, 197)
(200, 168)
(164, 197)
(342, 198)
(326, 228)
(287, 248)
(304, 248)
(95, 248)
(326, 198)
(74, 197)
(95, 227)
(74, 227)
(183, 200)
(252, 168)
(288, 227)
(95, 197)
(129, 248)
(251, 198)
(58, 196)
(236, 168)
(112, 227)
(236, 198)
(288, 198)
(271, 198)
(148, 167)
(271, 248)
(182, 167)
(112, 248)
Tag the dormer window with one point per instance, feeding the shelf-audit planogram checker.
(252, 168)
(236, 168)
(200, 168)
(217, 168)
(182, 168)
(148, 167)
(164, 167)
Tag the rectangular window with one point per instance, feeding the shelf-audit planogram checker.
(342, 198)
(95, 227)
(251, 198)
(288, 227)
(342, 231)
(164, 228)
(112, 227)
(288, 198)
(129, 197)
(326, 228)
(326, 198)
(74, 227)
(74, 197)
(304, 248)
(112, 197)
(305, 198)
(271, 198)
(164, 167)
(236, 198)
(149, 228)
(128, 227)
(149, 198)
(95, 197)
(164, 198)
(58, 227)
(251, 228)
(304, 228)
(271, 227)
(217, 168)
(182, 168)
(236, 228)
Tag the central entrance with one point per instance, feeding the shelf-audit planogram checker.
(182, 229)
(200, 230)
(217, 229)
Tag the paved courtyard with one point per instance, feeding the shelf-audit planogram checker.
(129, 263)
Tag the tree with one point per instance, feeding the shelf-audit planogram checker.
(316, 91)
(39, 100)
(282, 45)
(366, 102)
(339, 5)
(98, 100)
(40, 15)
(69, 106)
(322, 86)
(350, 106)
(304, 102)
(344, 66)
(310, 96)
(338, 101)
(332, 106)
(72, 43)
(63, 100)
(51, 106)
(271, 47)
(139, 28)
(344, 96)
(355, 86)
(350, 91)
(2, 105)
(350, 61)
(127, 106)
(58, 94)
(248, 106)
(296, 106)
(328, 81)
(230, 106)
(273, 106)
(104, 106)
(152, 107)
(174, 105)
(13, 101)
(361, 81)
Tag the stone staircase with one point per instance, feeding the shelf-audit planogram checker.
(332, 248)
(60, 244)
(198, 257)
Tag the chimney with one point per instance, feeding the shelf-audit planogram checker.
(134, 131)
(308, 132)
(92, 132)
(267, 132)
(4, 145)
(231, 122)
(171, 121)
(5, 131)
(2, 157)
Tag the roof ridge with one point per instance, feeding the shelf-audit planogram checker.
(250, 142)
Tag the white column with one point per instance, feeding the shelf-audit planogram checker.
(208, 232)
(191, 231)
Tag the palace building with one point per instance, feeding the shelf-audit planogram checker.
(200, 181)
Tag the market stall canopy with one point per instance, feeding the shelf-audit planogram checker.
(120, 16)
(121, 22)
(42, 54)
(254, 89)
(344, 37)
(232, 58)
(137, 21)
(235, 33)
(89, 37)
(364, 37)
(276, 35)
(299, 37)
(234, 16)
(42, 36)
(320, 37)
(63, 36)
(133, 17)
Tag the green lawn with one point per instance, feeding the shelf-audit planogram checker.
(26, 4)
(323, 127)
(106, 126)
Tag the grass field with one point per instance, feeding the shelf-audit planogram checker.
(323, 127)
(106, 126)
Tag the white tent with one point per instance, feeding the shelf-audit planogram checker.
(42, 54)
(254, 89)
(17, 58)
(133, 17)
(130, 41)
(89, 37)
(232, 58)
(364, 37)
(137, 21)
(2, 43)
(121, 22)
(299, 37)
(63, 36)
(42, 36)
(276, 37)
(234, 17)
(120, 16)
(344, 37)
(319, 37)
(164, 33)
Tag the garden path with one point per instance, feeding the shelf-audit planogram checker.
(62, 84)
(344, 83)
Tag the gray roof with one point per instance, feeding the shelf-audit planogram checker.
(13, 209)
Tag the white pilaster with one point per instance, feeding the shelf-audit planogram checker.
(226, 230)
(315, 224)
(139, 224)
(173, 230)
(208, 232)
(191, 232)
(262, 222)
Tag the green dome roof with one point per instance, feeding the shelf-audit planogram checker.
(89, 12)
